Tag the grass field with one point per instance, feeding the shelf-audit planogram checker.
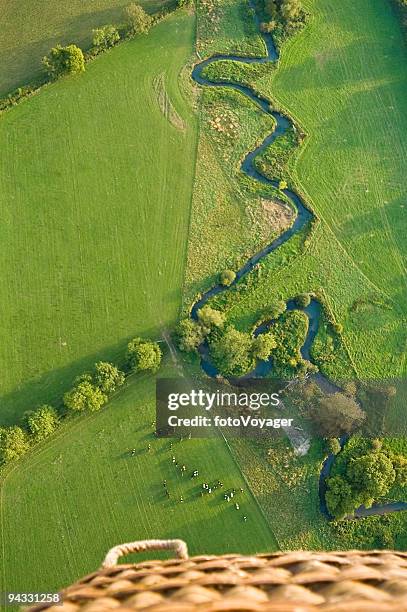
(27, 35)
(109, 220)
(96, 191)
(83, 492)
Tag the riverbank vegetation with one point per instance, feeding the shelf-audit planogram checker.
(365, 472)
(341, 258)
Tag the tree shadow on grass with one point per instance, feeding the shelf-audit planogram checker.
(50, 386)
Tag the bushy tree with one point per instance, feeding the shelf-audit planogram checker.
(340, 499)
(290, 10)
(105, 37)
(42, 422)
(262, 346)
(139, 21)
(232, 352)
(333, 446)
(335, 415)
(108, 377)
(64, 60)
(400, 468)
(268, 26)
(303, 300)
(371, 476)
(277, 309)
(190, 335)
(85, 395)
(227, 277)
(270, 8)
(210, 317)
(14, 443)
(143, 355)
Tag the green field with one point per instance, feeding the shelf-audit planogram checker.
(95, 198)
(103, 203)
(108, 228)
(27, 35)
(83, 492)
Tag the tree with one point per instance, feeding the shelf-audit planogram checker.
(105, 37)
(64, 60)
(262, 346)
(400, 468)
(227, 277)
(42, 422)
(108, 377)
(190, 335)
(277, 309)
(139, 21)
(339, 497)
(84, 396)
(303, 300)
(282, 185)
(371, 476)
(232, 352)
(290, 10)
(13, 443)
(335, 415)
(210, 317)
(270, 8)
(333, 446)
(143, 355)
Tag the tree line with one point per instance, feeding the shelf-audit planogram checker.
(89, 393)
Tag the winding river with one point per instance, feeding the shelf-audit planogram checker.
(302, 218)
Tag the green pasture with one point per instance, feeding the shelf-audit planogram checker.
(29, 31)
(81, 493)
(95, 198)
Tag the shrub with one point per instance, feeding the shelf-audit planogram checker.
(227, 277)
(333, 446)
(268, 26)
(400, 468)
(303, 300)
(262, 346)
(276, 310)
(42, 422)
(108, 377)
(105, 37)
(270, 8)
(290, 10)
(339, 497)
(143, 355)
(64, 60)
(190, 335)
(232, 352)
(139, 21)
(84, 396)
(371, 476)
(13, 443)
(337, 327)
(210, 317)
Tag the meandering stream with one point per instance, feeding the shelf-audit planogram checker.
(303, 216)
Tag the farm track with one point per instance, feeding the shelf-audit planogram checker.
(303, 217)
